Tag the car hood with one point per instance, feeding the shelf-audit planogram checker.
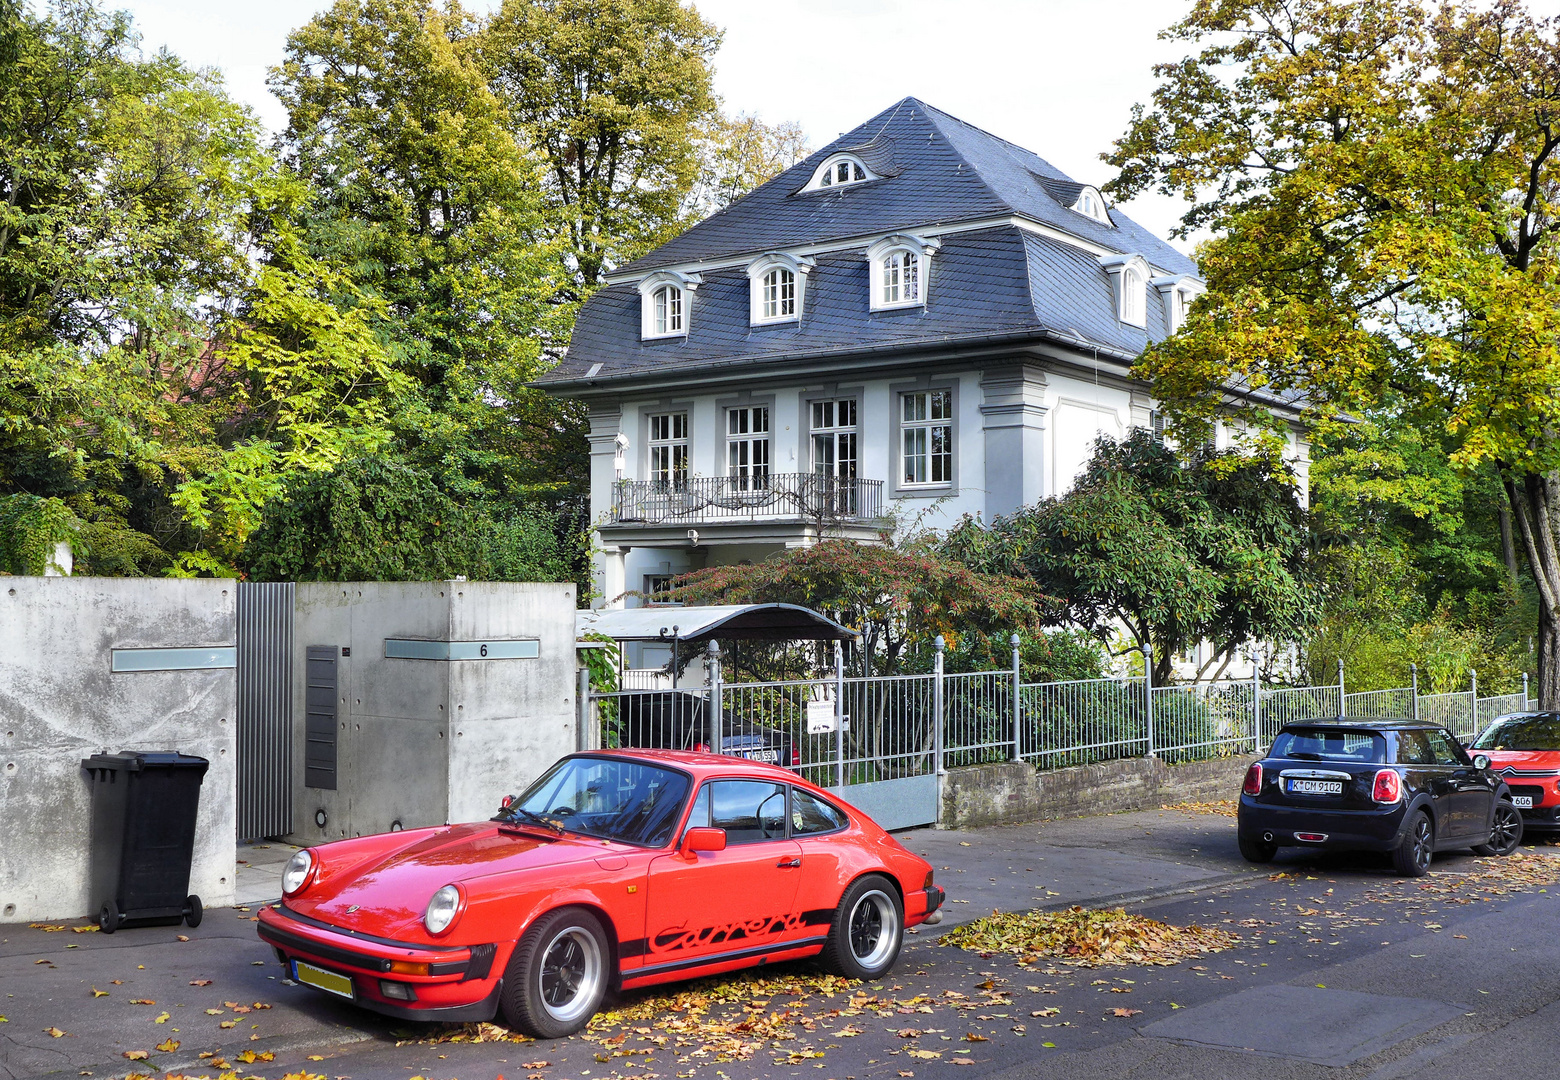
(386, 894)
(1523, 762)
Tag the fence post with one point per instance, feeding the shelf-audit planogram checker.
(582, 720)
(712, 680)
(1256, 705)
(1473, 701)
(1413, 675)
(1017, 695)
(937, 709)
(839, 714)
(1343, 705)
(1525, 698)
(1148, 693)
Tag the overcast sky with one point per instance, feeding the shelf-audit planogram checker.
(1057, 76)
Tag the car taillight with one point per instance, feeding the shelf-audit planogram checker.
(1388, 787)
(790, 756)
(703, 748)
(1253, 783)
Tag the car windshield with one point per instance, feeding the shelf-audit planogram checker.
(1541, 732)
(1325, 744)
(605, 797)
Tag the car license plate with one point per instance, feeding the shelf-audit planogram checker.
(1524, 802)
(762, 755)
(329, 981)
(1316, 787)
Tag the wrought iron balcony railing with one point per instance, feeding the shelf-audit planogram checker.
(808, 496)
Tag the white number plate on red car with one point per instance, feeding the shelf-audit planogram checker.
(1316, 787)
(1524, 802)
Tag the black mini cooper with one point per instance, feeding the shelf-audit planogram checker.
(1398, 786)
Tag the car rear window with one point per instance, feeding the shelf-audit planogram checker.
(1541, 732)
(1329, 744)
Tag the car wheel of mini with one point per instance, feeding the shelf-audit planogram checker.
(557, 976)
(1411, 858)
(1505, 833)
(867, 931)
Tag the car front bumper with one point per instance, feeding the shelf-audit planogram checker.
(1345, 830)
(460, 984)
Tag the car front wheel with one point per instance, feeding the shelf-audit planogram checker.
(1505, 833)
(867, 931)
(557, 976)
(1411, 857)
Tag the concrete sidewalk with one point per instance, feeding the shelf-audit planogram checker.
(87, 985)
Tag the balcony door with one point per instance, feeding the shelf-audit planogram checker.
(834, 435)
(747, 447)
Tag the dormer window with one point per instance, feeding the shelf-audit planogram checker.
(664, 302)
(1091, 203)
(1177, 291)
(1129, 284)
(778, 286)
(839, 170)
(899, 271)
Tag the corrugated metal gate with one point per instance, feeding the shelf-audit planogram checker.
(265, 640)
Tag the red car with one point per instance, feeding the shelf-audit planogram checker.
(1524, 751)
(619, 868)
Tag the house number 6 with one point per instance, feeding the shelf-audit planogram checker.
(483, 650)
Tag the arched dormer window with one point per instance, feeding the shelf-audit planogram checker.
(778, 285)
(838, 170)
(1177, 291)
(1091, 203)
(1129, 284)
(900, 271)
(664, 301)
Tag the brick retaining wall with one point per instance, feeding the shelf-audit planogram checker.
(1014, 791)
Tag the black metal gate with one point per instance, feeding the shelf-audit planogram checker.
(265, 706)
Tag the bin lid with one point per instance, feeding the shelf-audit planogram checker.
(137, 760)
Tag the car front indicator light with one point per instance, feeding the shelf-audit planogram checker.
(1388, 786)
(442, 910)
(297, 872)
(1253, 781)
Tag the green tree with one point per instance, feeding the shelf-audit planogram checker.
(613, 94)
(737, 154)
(1177, 553)
(1380, 182)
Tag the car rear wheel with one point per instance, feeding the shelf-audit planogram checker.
(557, 976)
(1411, 857)
(867, 931)
(1257, 851)
(1505, 833)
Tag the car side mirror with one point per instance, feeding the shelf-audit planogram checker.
(702, 838)
(1481, 762)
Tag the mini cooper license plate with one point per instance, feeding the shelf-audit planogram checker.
(1522, 802)
(1316, 787)
(329, 981)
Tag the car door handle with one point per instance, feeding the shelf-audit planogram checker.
(789, 864)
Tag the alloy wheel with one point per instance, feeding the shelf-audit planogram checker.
(1422, 840)
(571, 972)
(1504, 835)
(874, 927)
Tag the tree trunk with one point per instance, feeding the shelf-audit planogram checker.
(1508, 544)
(1534, 501)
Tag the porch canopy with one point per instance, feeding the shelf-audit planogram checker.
(696, 625)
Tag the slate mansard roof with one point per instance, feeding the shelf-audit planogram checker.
(990, 281)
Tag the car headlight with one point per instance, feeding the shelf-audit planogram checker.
(297, 872)
(442, 910)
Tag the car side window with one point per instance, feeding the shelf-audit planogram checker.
(811, 815)
(749, 810)
(1414, 749)
(699, 816)
(1445, 750)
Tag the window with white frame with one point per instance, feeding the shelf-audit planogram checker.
(926, 433)
(1091, 203)
(778, 299)
(838, 171)
(834, 438)
(778, 281)
(664, 299)
(900, 266)
(669, 450)
(1133, 297)
(747, 447)
(666, 310)
(656, 588)
(901, 279)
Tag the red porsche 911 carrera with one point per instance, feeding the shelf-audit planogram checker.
(1524, 751)
(618, 868)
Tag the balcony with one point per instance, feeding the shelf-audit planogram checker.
(777, 497)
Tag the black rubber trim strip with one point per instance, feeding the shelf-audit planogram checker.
(818, 916)
(631, 949)
(934, 898)
(297, 943)
(481, 964)
(723, 958)
(333, 928)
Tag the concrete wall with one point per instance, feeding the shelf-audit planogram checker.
(59, 703)
(1010, 792)
(422, 742)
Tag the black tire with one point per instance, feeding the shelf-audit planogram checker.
(1505, 833)
(1411, 857)
(557, 976)
(108, 917)
(194, 911)
(1257, 851)
(862, 944)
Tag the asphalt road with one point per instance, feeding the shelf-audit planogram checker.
(1340, 970)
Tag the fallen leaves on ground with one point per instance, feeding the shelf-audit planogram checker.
(249, 1057)
(200, 982)
(168, 1046)
(162, 1018)
(1125, 1012)
(54, 1031)
(1088, 938)
(138, 1055)
(1222, 807)
(142, 1001)
(99, 993)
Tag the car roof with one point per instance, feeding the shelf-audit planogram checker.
(703, 765)
(1366, 723)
